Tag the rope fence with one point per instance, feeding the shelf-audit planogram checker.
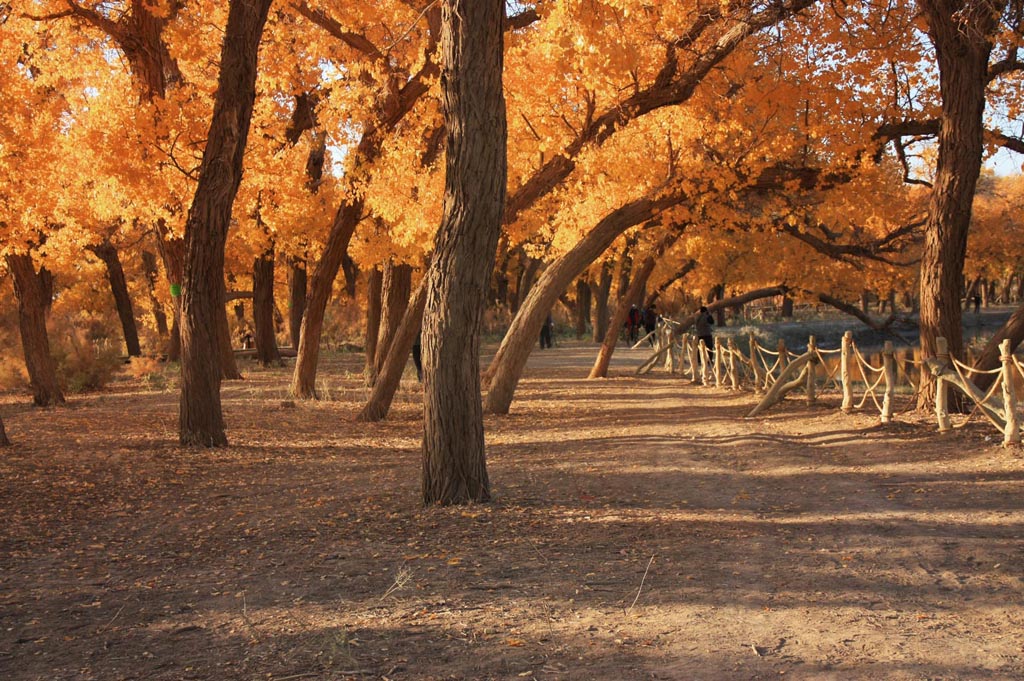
(845, 371)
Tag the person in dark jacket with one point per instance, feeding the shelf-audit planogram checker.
(702, 329)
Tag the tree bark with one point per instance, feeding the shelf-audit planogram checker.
(374, 284)
(152, 275)
(989, 358)
(267, 352)
(962, 37)
(296, 299)
(390, 376)
(600, 292)
(633, 296)
(321, 284)
(396, 286)
(119, 289)
(34, 293)
(228, 366)
(454, 462)
(4, 442)
(172, 252)
(507, 366)
(201, 417)
(583, 300)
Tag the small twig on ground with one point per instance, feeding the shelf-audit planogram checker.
(116, 615)
(642, 580)
(248, 622)
(402, 577)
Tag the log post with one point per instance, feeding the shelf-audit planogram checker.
(755, 363)
(783, 354)
(844, 371)
(941, 391)
(718, 362)
(812, 352)
(693, 352)
(664, 336)
(1011, 432)
(889, 371)
(733, 378)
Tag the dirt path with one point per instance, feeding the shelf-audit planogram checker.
(642, 530)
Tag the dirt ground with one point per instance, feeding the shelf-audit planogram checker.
(642, 529)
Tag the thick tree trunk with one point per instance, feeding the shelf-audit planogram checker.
(296, 299)
(34, 293)
(374, 285)
(396, 286)
(507, 366)
(600, 291)
(390, 377)
(962, 37)
(582, 313)
(152, 276)
(202, 312)
(787, 307)
(267, 352)
(454, 464)
(633, 296)
(321, 283)
(122, 301)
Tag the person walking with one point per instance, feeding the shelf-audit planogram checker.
(702, 329)
(545, 332)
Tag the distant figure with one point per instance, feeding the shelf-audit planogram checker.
(633, 321)
(977, 302)
(650, 322)
(248, 342)
(417, 357)
(702, 329)
(545, 332)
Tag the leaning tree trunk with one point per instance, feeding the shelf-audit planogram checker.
(267, 352)
(296, 299)
(454, 464)
(122, 301)
(152, 275)
(1013, 330)
(33, 301)
(321, 283)
(390, 377)
(374, 282)
(396, 287)
(202, 305)
(633, 296)
(962, 37)
(507, 366)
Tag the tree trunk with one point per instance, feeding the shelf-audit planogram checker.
(686, 268)
(201, 417)
(4, 442)
(526, 279)
(507, 366)
(454, 463)
(296, 299)
(374, 284)
(390, 377)
(321, 284)
(34, 295)
(989, 358)
(633, 296)
(267, 352)
(122, 301)
(962, 37)
(172, 252)
(787, 307)
(395, 289)
(599, 295)
(582, 306)
(152, 275)
(228, 366)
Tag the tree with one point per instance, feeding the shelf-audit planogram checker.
(454, 462)
(34, 292)
(201, 418)
(107, 252)
(4, 442)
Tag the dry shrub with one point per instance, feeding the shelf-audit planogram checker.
(87, 357)
(147, 370)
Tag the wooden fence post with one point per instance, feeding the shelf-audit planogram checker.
(733, 378)
(844, 371)
(812, 349)
(941, 391)
(755, 363)
(705, 370)
(1011, 433)
(889, 371)
(783, 355)
(693, 351)
(718, 362)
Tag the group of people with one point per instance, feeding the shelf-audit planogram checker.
(646, 319)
